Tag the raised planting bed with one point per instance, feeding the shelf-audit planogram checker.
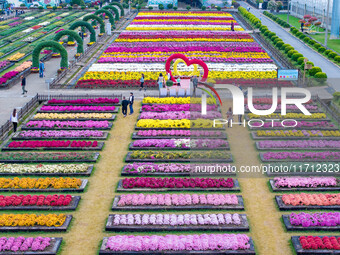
(114, 111)
(295, 148)
(297, 119)
(300, 251)
(115, 207)
(304, 169)
(283, 207)
(255, 137)
(128, 159)
(39, 228)
(109, 119)
(135, 137)
(16, 136)
(170, 148)
(244, 226)
(275, 189)
(52, 249)
(69, 148)
(104, 251)
(236, 187)
(291, 227)
(80, 189)
(71, 207)
(192, 128)
(67, 128)
(296, 160)
(90, 104)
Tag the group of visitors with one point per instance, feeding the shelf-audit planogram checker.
(126, 103)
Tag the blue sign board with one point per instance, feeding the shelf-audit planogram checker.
(288, 75)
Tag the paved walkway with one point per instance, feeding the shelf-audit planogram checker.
(332, 70)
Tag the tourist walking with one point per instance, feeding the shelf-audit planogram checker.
(232, 26)
(23, 84)
(142, 83)
(131, 100)
(41, 69)
(14, 119)
(160, 81)
(195, 83)
(229, 116)
(125, 104)
(302, 24)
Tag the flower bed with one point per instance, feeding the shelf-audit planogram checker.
(173, 115)
(175, 222)
(54, 134)
(177, 184)
(177, 202)
(312, 221)
(289, 115)
(209, 244)
(182, 123)
(304, 183)
(269, 100)
(300, 156)
(44, 169)
(75, 108)
(304, 169)
(30, 245)
(289, 108)
(42, 184)
(173, 133)
(174, 100)
(74, 125)
(294, 134)
(324, 125)
(196, 144)
(47, 157)
(299, 145)
(34, 222)
(74, 116)
(316, 244)
(176, 169)
(303, 201)
(180, 156)
(89, 101)
(176, 107)
(39, 202)
(53, 145)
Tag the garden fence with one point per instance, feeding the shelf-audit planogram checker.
(42, 98)
(329, 111)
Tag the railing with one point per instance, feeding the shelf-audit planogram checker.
(329, 111)
(41, 98)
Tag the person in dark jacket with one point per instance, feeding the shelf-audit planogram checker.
(23, 84)
(232, 26)
(125, 104)
(131, 100)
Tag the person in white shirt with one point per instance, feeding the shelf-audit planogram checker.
(131, 100)
(14, 119)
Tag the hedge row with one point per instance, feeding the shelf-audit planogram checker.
(288, 50)
(312, 43)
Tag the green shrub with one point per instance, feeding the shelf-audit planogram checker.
(188, 7)
(314, 70)
(218, 8)
(332, 55)
(317, 45)
(271, 34)
(175, 8)
(170, 6)
(274, 37)
(161, 7)
(83, 7)
(266, 33)
(310, 63)
(311, 42)
(291, 52)
(150, 7)
(327, 52)
(70, 8)
(321, 49)
(320, 75)
(54, 8)
(302, 37)
(337, 59)
(277, 40)
(279, 44)
(289, 48)
(295, 56)
(298, 34)
(306, 39)
(300, 60)
(204, 8)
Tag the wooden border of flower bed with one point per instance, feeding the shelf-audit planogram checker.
(294, 148)
(244, 226)
(128, 159)
(291, 227)
(174, 128)
(283, 207)
(80, 189)
(104, 251)
(64, 104)
(299, 251)
(108, 119)
(116, 110)
(40, 228)
(87, 173)
(295, 160)
(67, 128)
(71, 207)
(115, 207)
(271, 182)
(255, 137)
(93, 160)
(235, 188)
(16, 137)
(171, 148)
(52, 249)
(98, 148)
(217, 110)
(136, 137)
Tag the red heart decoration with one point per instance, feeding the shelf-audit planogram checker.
(188, 62)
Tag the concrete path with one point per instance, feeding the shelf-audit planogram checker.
(331, 69)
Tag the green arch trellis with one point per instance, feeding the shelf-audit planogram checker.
(114, 9)
(71, 34)
(97, 18)
(49, 44)
(120, 7)
(109, 14)
(87, 25)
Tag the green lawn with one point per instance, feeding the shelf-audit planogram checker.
(333, 44)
